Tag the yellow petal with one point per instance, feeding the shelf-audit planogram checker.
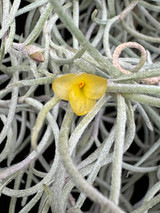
(80, 104)
(62, 85)
(95, 86)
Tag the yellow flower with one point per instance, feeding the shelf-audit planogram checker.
(81, 90)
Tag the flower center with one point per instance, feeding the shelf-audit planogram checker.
(81, 84)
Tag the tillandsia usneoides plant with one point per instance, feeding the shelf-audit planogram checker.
(79, 106)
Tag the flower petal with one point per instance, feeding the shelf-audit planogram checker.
(80, 104)
(95, 86)
(62, 85)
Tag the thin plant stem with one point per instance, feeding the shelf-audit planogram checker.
(118, 150)
(80, 182)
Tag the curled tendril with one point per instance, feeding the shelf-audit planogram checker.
(120, 48)
(97, 20)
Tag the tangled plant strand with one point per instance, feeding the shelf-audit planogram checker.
(92, 143)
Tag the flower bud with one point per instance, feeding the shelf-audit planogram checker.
(37, 56)
(35, 53)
